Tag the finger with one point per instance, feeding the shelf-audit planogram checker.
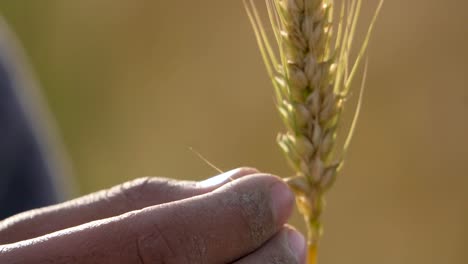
(286, 247)
(125, 197)
(217, 227)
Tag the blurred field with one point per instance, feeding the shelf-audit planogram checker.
(134, 84)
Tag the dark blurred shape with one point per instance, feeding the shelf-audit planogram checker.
(26, 180)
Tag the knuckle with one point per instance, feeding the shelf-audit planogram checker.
(154, 246)
(170, 246)
(133, 191)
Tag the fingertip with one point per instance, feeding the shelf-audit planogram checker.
(223, 178)
(269, 190)
(244, 171)
(282, 200)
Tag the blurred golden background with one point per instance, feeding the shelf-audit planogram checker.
(134, 84)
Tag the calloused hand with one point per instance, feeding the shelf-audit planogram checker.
(235, 217)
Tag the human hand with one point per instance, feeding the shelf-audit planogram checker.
(235, 217)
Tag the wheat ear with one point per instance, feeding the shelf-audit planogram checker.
(311, 75)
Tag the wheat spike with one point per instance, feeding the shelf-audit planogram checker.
(311, 77)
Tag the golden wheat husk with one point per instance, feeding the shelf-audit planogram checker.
(312, 76)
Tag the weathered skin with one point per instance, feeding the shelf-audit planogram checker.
(238, 218)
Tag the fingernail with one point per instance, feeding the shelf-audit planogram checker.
(282, 202)
(297, 245)
(226, 177)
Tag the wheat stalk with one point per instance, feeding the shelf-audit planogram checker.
(312, 76)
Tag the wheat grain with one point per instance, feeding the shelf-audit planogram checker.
(311, 78)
